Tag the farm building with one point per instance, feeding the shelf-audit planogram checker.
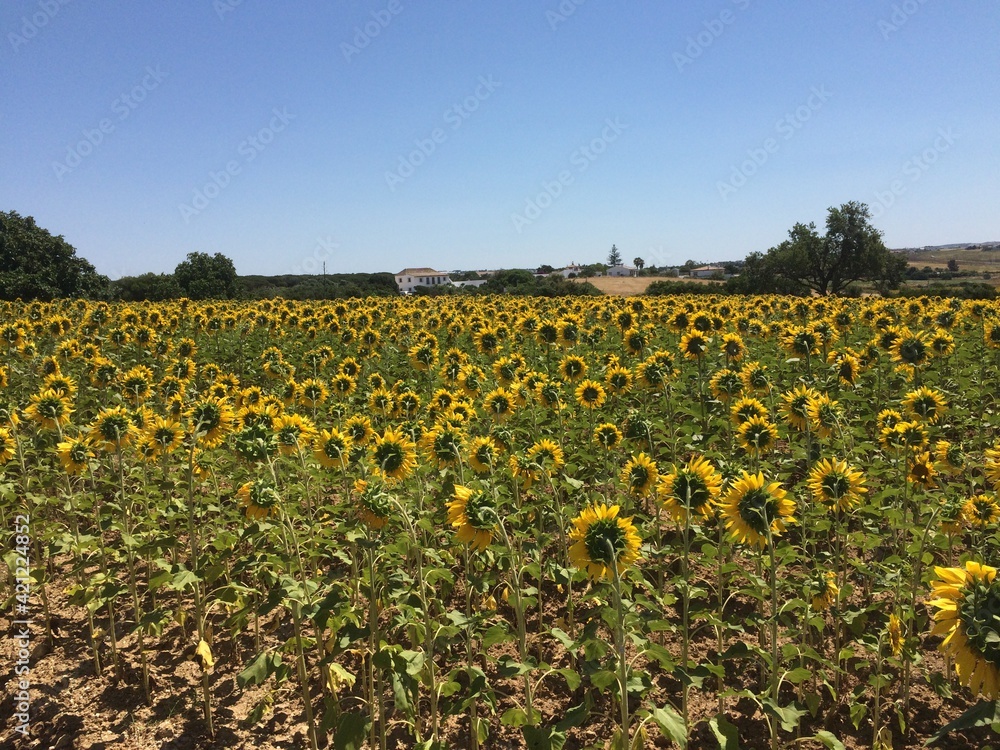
(409, 278)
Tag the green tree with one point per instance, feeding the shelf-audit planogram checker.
(639, 263)
(36, 265)
(615, 256)
(851, 250)
(152, 287)
(204, 276)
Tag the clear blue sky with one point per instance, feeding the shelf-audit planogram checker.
(699, 130)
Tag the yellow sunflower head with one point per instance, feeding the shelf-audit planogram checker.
(640, 475)
(926, 404)
(691, 490)
(590, 394)
(545, 457)
(757, 436)
(472, 513)
(603, 542)
(332, 448)
(756, 511)
(607, 435)
(394, 455)
(981, 511)
(260, 499)
(823, 590)
(836, 485)
(967, 613)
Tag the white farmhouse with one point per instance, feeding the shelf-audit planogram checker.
(409, 278)
(621, 270)
(707, 272)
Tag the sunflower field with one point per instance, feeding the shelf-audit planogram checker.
(490, 522)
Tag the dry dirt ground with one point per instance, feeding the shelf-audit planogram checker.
(627, 286)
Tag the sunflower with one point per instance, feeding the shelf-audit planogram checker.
(952, 519)
(550, 393)
(359, 429)
(949, 456)
(746, 409)
(590, 394)
(825, 415)
(991, 335)
(823, 589)
(260, 498)
(942, 343)
(694, 344)
(733, 347)
(545, 457)
(524, 471)
(313, 393)
(795, 406)
(607, 435)
(757, 436)
(836, 485)
(74, 455)
(394, 454)
(756, 510)
(640, 475)
(166, 433)
(49, 409)
(925, 403)
(484, 455)
(472, 514)
(922, 470)
(62, 384)
(981, 511)
(754, 377)
(992, 467)
(471, 378)
(690, 490)
(294, 432)
(331, 448)
(894, 632)
(500, 403)
(618, 379)
(726, 384)
(7, 446)
(603, 542)
(444, 444)
(381, 401)
(211, 418)
(374, 504)
(572, 368)
(967, 603)
(137, 384)
(112, 429)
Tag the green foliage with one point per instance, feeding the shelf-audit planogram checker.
(329, 286)
(147, 287)
(851, 250)
(36, 265)
(615, 256)
(204, 276)
(524, 283)
(661, 288)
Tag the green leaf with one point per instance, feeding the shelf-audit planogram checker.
(563, 637)
(796, 676)
(726, 733)
(788, 715)
(351, 732)
(574, 717)
(671, 724)
(258, 670)
(572, 678)
(543, 738)
(603, 678)
(981, 714)
(496, 634)
(829, 740)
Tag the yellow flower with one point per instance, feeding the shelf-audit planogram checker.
(966, 603)
(640, 475)
(949, 456)
(331, 448)
(992, 468)
(747, 408)
(757, 435)
(755, 510)
(73, 455)
(836, 484)
(795, 406)
(112, 429)
(925, 403)
(7, 446)
(545, 457)
(49, 409)
(590, 395)
(444, 444)
(922, 470)
(374, 504)
(691, 490)
(210, 418)
(603, 542)
(826, 591)
(260, 498)
(895, 633)
(981, 511)
(694, 344)
(394, 455)
(472, 514)
(824, 414)
(607, 435)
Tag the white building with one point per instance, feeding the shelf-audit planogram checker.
(571, 270)
(621, 271)
(409, 278)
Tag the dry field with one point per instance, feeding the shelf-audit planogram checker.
(627, 286)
